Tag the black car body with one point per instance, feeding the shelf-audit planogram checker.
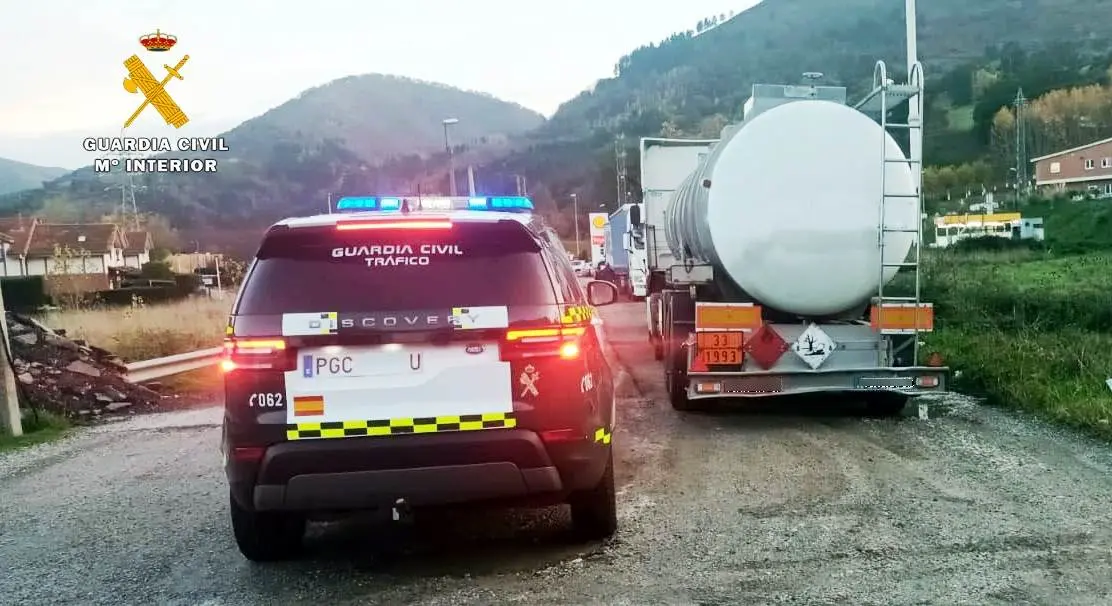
(424, 358)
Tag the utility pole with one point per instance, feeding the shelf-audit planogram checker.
(575, 213)
(451, 157)
(126, 185)
(1020, 144)
(10, 418)
(620, 169)
(915, 135)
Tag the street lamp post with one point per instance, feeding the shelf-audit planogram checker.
(575, 213)
(451, 157)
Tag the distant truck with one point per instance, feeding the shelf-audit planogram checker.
(624, 251)
(613, 248)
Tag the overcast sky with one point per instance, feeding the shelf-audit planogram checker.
(61, 61)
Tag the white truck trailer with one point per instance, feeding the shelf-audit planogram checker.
(625, 251)
(769, 260)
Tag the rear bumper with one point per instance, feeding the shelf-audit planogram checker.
(911, 381)
(424, 470)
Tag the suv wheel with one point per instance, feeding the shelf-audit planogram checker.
(594, 512)
(267, 536)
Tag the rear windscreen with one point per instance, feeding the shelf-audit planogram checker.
(472, 264)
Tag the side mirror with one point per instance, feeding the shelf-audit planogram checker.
(635, 215)
(600, 292)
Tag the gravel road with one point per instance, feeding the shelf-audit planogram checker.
(804, 503)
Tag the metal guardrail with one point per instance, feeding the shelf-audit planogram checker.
(149, 370)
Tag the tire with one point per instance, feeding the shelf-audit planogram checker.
(885, 404)
(677, 381)
(267, 536)
(594, 512)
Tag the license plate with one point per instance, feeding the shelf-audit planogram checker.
(721, 355)
(361, 363)
(719, 340)
(885, 382)
(752, 385)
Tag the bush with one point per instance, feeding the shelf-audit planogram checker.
(157, 270)
(994, 243)
(24, 293)
(143, 294)
(187, 284)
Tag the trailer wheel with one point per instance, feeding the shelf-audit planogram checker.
(675, 362)
(677, 382)
(653, 305)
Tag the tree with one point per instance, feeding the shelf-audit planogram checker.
(711, 126)
(157, 270)
(64, 263)
(1056, 120)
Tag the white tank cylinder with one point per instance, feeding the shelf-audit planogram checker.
(792, 212)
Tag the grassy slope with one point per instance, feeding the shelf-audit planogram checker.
(1028, 330)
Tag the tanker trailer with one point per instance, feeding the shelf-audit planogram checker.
(784, 239)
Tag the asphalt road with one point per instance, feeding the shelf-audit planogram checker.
(801, 502)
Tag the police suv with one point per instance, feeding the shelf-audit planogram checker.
(410, 352)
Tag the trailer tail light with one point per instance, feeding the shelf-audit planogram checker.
(256, 354)
(561, 341)
(927, 381)
(902, 318)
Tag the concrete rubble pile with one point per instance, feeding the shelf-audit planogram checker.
(69, 377)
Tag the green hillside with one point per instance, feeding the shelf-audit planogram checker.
(974, 54)
(376, 133)
(17, 176)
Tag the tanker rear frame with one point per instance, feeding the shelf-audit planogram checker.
(703, 336)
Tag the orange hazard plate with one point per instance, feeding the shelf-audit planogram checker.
(719, 348)
(720, 356)
(715, 340)
(727, 316)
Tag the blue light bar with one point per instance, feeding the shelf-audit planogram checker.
(514, 202)
(357, 203)
(440, 203)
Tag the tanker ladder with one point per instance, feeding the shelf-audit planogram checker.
(903, 316)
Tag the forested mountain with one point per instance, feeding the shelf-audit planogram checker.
(378, 117)
(375, 134)
(975, 56)
(17, 176)
(288, 159)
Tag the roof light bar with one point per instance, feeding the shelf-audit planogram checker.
(441, 203)
(399, 224)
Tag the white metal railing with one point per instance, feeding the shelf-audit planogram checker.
(149, 370)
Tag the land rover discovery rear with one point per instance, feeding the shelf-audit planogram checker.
(413, 359)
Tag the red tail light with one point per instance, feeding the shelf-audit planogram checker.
(256, 354)
(403, 224)
(562, 341)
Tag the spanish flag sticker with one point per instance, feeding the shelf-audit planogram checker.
(308, 406)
